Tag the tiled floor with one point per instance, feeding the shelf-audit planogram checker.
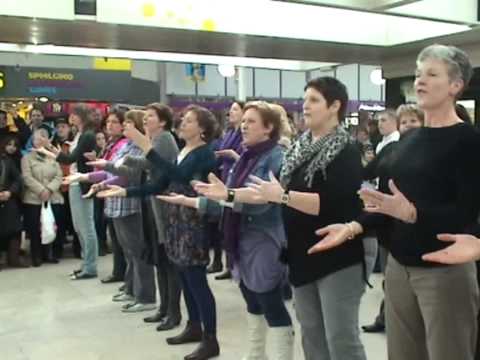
(45, 316)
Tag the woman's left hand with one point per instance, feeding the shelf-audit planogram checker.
(142, 141)
(54, 149)
(395, 205)
(464, 248)
(269, 191)
(45, 152)
(94, 189)
(99, 163)
(172, 198)
(112, 191)
(214, 190)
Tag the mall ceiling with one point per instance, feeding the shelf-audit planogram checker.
(85, 33)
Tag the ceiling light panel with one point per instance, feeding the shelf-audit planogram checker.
(274, 19)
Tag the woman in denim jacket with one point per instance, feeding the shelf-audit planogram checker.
(254, 234)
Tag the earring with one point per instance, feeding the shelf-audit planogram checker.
(202, 136)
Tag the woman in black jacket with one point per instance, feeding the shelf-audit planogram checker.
(81, 208)
(10, 191)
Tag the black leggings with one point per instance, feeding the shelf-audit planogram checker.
(270, 304)
(199, 298)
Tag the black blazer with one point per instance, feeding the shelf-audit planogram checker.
(86, 143)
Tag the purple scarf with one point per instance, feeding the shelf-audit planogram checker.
(243, 169)
(231, 140)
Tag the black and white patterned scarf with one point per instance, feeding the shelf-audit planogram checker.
(318, 153)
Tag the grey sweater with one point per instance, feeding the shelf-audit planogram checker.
(167, 148)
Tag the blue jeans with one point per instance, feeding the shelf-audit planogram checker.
(84, 225)
(199, 298)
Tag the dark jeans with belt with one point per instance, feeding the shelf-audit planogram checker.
(199, 298)
(31, 218)
(270, 304)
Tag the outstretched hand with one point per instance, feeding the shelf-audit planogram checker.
(112, 191)
(269, 191)
(464, 248)
(215, 189)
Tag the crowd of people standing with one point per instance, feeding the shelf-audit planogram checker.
(312, 209)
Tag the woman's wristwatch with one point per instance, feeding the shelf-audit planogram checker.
(284, 200)
(230, 195)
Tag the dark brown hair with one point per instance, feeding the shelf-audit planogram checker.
(118, 112)
(164, 113)
(85, 114)
(206, 120)
(332, 90)
(270, 117)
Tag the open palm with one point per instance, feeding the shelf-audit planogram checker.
(333, 236)
(214, 190)
(464, 248)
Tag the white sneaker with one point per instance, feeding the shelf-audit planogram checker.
(123, 297)
(138, 307)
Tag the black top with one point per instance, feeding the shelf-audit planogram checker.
(339, 203)
(437, 170)
(379, 167)
(86, 143)
(196, 165)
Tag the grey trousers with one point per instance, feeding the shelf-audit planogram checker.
(169, 286)
(431, 313)
(139, 276)
(327, 310)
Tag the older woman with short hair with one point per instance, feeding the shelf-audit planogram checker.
(431, 311)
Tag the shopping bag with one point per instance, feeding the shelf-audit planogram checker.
(47, 223)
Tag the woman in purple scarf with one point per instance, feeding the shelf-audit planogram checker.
(229, 150)
(254, 234)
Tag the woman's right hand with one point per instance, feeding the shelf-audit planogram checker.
(74, 178)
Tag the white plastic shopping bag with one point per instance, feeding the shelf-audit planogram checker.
(48, 225)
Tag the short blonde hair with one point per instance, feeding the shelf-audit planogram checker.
(410, 109)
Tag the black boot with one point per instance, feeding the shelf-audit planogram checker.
(207, 349)
(13, 254)
(168, 323)
(225, 276)
(192, 333)
(378, 325)
(157, 317)
(215, 267)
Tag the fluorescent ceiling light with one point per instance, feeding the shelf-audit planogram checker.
(165, 56)
(275, 19)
